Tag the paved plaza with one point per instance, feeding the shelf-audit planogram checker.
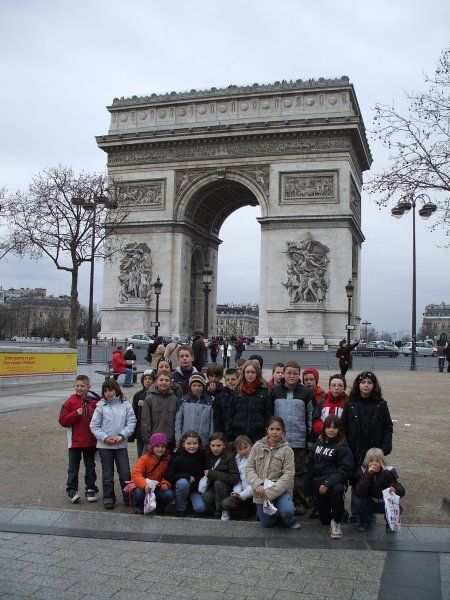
(52, 549)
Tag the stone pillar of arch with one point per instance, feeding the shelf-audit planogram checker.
(187, 161)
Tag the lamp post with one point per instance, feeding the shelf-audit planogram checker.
(207, 276)
(90, 204)
(349, 291)
(366, 323)
(403, 207)
(157, 287)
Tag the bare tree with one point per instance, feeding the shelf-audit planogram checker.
(419, 145)
(44, 221)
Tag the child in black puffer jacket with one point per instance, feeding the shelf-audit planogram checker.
(370, 480)
(330, 464)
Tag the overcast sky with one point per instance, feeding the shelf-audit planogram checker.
(62, 63)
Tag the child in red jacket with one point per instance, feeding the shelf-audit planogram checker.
(76, 414)
(152, 466)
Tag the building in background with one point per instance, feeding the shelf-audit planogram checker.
(436, 320)
(237, 319)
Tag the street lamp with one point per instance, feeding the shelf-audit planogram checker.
(157, 286)
(349, 291)
(207, 276)
(403, 207)
(90, 204)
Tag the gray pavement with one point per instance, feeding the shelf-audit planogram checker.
(71, 554)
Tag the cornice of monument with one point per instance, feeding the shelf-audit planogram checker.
(233, 90)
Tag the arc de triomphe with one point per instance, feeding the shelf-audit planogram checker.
(186, 161)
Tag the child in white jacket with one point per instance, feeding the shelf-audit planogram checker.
(112, 423)
(240, 502)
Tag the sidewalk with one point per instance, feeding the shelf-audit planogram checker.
(82, 552)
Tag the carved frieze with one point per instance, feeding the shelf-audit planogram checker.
(297, 188)
(307, 279)
(135, 274)
(146, 194)
(235, 148)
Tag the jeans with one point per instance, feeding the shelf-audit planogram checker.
(163, 497)
(119, 456)
(128, 377)
(183, 493)
(285, 512)
(330, 505)
(365, 508)
(441, 363)
(90, 477)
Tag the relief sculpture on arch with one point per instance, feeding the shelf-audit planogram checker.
(307, 279)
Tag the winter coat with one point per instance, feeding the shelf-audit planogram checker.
(372, 484)
(79, 434)
(158, 414)
(138, 402)
(328, 406)
(276, 464)
(113, 417)
(242, 487)
(220, 409)
(182, 377)
(225, 471)
(195, 412)
(329, 463)
(171, 353)
(151, 467)
(248, 414)
(367, 424)
(119, 364)
(185, 465)
(199, 350)
(296, 412)
(344, 354)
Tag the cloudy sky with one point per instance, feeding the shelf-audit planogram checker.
(61, 63)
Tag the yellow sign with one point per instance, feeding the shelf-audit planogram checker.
(37, 364)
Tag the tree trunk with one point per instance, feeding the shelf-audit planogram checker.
(74, 308)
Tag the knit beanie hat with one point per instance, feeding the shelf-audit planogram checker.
(156, 439)
(313, 371)
(196, 378)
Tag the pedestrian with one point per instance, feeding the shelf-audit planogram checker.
(171, 350)
(270, 471)
(330, 464)
(112, 423)
(225, 348)
(129, 354)
(199, 350)
(120, 365)
(239, 346)
(447, 356)
(214, 349)
(441, 356)
(344, 354)
(270, 342)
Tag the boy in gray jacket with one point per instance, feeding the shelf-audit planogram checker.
(293, 402)
(196, 411)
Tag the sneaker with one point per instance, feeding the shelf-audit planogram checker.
(295, 525)
(73, 495)
(225, 516)
(364, 527)
(108, 504)
(335, 530)
(90, 495)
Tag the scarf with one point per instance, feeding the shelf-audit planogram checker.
(250, 388)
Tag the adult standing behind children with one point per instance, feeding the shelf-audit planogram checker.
(112, 423)
(251, 405)
(344, 354)
(76, 415)
(199, 350)
(155, 352)
(171, 351)
(293, 402)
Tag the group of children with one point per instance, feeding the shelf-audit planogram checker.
(274, 448)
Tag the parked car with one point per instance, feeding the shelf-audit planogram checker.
(422, 349)
(140, 340)
(377, 349)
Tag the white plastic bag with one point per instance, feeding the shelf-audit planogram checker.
(269, 508)
(392, 509)
(203, 484)
(149, 502)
